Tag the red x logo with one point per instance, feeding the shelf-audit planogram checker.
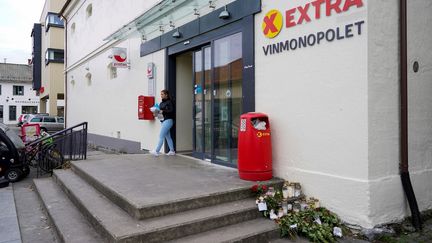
(269, 23)
(272, 23)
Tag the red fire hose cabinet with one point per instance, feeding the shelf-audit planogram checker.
(254, 147)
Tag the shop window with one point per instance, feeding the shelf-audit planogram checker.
(29, 109)
(53, 20)
(54, 55)
(89, 10)
(18, 90)
(12, 113)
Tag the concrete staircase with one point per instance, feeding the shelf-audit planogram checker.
(84, 209)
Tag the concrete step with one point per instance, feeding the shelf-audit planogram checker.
(123, 187)
(257, 230)
(116, 225)
(71, 226)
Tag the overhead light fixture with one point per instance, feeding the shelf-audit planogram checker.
(176, 34)
(224, 14)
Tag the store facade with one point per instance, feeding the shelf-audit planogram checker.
(326, 73)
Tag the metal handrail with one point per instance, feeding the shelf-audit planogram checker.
(65, 145)
(71, 142)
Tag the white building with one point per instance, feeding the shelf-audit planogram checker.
(16, 94)
(326, 72)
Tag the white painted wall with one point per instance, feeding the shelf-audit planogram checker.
(316, 98)
(110, 105)
(386, 195)
(420, 100)
(388, 202)
(339, 132)
(107, 17)
(8, 99)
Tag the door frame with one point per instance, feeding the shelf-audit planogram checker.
(246, 27)
(203, 154)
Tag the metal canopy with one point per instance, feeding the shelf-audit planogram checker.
(162, 17)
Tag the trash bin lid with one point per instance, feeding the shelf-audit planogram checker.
(253, 115)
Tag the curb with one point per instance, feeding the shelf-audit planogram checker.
(9, 227)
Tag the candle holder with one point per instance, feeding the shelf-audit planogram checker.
(297, 190)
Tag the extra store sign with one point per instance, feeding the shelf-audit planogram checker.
(276, 21)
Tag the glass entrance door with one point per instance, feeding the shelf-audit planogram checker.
(227, 97)
(217, 104)
(202, 103)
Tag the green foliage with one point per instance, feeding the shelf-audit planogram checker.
(314, 224)
(307, 225)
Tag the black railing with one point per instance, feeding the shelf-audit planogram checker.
(72, 142)
(53, 151)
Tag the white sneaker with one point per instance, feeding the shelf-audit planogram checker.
(170, 153)
(153, 152)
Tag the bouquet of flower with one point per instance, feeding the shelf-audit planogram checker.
(259, 189)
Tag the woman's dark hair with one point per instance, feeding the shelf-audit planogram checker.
(167, 93)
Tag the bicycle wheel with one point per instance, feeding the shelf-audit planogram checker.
(52, 159)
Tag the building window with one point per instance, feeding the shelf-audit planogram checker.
(52, 19)
(54, 55)
(18, 90)
(12, 113)
(0, 89)
(1, 113)
(89, 10)
(29, 109)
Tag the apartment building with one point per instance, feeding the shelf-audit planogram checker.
(48, 58)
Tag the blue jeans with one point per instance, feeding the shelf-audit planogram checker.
(165, 133)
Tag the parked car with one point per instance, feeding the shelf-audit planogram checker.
(24, 118)
(48, 123)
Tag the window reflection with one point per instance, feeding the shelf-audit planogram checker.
(228, 64)
(52, 19)
(198, 101)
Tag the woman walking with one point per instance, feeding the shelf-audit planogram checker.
(167, 110)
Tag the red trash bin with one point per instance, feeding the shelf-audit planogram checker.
(254, 147)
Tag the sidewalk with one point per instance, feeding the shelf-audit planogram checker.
(9, 228)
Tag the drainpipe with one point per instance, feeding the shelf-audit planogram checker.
(403, 166)
(65, 58)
